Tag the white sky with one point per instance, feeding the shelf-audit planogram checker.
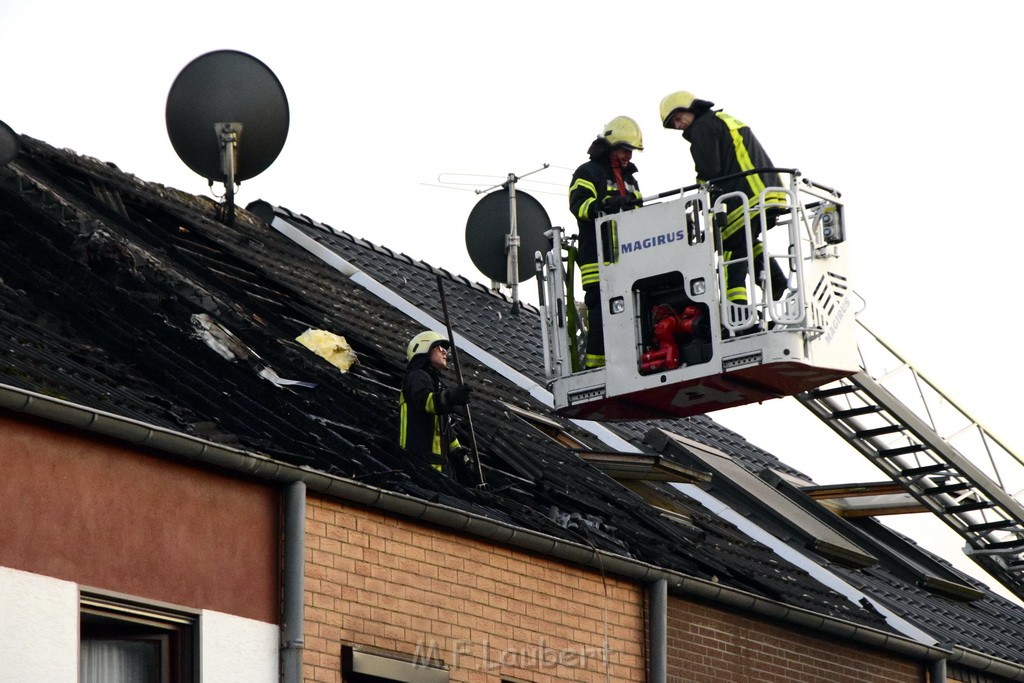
(910, 109)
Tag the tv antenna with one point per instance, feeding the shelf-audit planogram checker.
(227, 117)
(10, 143)
(500, 226)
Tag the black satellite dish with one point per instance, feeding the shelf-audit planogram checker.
(227, 117)
(488, 228)
(10, 143)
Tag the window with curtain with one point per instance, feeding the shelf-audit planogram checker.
(127, 641)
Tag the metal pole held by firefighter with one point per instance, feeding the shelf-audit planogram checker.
(458, 375)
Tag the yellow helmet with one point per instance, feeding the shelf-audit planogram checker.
(423, 342)
(623, 131)
(673, 103)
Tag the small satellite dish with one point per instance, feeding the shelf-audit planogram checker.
(227, 116)
(489, 226)
(10, 143)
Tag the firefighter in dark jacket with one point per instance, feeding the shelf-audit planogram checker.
(603, 185)
(426, 404)
(721, 146)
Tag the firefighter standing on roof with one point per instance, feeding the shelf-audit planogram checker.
(426, 404)
(605, 184)
(722, 145)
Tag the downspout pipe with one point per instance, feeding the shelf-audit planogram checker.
(294, 573)
(937, 671)
(657, 598)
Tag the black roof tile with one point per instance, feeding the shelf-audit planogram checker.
(103, 275)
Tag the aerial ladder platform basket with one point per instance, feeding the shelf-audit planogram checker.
(674, 344)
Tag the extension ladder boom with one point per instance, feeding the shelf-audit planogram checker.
(941, 456)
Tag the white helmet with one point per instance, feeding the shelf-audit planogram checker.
(423, 342)
(625, 132)
(682, 100)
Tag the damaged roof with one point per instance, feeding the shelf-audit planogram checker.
(142, 301)
(929, 591)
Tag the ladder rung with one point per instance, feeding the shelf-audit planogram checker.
(968, 507)
(1005, 545)
(902, 450)
(833, 391)
(946, 488)
(991, 526)
(924, 470)
(854, 412)
(878, 431)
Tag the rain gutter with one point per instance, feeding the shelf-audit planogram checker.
(268, 469)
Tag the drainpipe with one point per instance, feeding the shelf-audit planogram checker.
(937, 671)
(657, 594)
(294, 572)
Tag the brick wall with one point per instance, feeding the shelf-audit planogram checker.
(708, 645)
(486, 610)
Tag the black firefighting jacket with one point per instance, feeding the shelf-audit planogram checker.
(424, 420)
(592, 182)
(722, 145)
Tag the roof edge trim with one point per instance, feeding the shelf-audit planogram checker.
(382, 291)
(794, 557)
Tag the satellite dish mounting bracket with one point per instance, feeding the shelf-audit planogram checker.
(228, 135)
(512, 240)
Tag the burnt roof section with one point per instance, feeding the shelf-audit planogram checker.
(112, 289)
(113, 293)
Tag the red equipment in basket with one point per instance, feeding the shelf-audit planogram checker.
(668, 326)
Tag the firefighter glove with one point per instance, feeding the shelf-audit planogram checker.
(459, 396)
(614, 203)
(460, 457)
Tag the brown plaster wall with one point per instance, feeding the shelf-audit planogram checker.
(708, 645)
(488, 611)
(98, 513)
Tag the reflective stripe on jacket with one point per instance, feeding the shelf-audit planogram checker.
(722, 145)
(592, 182)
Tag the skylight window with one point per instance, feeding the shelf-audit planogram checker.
(546, 426)
(734, 482)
